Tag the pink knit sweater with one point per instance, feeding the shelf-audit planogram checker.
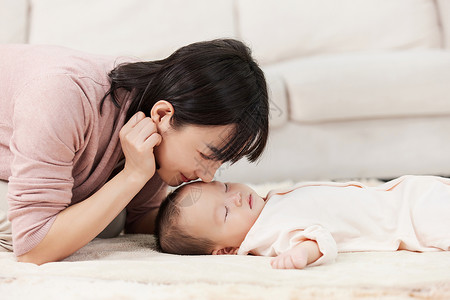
(56, 149)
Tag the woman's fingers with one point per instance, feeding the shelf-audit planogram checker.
(138, 138)
(135, 119)
(153, 141)
(139, 130)
(143, 130)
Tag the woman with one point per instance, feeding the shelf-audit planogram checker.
(80, 143)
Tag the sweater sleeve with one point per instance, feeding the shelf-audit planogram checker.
(48, 129)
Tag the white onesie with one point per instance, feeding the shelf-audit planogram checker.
(411, 212)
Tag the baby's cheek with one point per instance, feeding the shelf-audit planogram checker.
(248, 226)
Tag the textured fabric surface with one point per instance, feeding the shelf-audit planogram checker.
(127, 268)
(281, 30)
(5, 225)
(409, 212)
(444, 13)
(366, 85)
(147, 29)
(278, 100)
(3, 192)
(385, 148)
(13, 21)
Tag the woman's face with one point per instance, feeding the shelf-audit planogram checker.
(183, 153)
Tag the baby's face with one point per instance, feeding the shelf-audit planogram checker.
(221, 212)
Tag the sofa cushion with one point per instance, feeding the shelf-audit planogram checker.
(284, 29)
(13, 21)
(444, 14)
(147, 29)
(367, 85)
(385, 148)
(278, 114)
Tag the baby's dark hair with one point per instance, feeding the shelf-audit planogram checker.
(170, 237)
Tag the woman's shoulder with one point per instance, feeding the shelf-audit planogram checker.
(30, 62)
(55, 76)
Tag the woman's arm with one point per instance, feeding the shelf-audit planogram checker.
(77, 225)
(298, 257)
(142, 211)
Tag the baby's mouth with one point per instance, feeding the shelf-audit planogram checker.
(250, 201)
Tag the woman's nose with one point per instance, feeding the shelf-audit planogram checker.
(235, 199)
(206, 176)
(207, 171)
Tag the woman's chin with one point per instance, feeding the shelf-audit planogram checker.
(169, 178)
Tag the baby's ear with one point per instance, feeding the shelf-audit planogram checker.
(225, 251)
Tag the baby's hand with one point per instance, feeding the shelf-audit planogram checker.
(292, 259)
(298, 257)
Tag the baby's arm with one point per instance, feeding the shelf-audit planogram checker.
(301, 255)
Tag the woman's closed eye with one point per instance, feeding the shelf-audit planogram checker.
(226, 187)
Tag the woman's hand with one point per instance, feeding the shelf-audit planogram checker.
(138, 138)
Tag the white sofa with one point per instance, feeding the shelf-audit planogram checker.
(358, 88)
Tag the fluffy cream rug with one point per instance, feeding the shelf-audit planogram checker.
(127, 267)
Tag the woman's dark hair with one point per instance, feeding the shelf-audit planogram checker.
(170, 236)
(208, 83)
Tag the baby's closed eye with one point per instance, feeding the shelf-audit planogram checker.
(226, 213)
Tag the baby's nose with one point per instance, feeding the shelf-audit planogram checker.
(236, 199)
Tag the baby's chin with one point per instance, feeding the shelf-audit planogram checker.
(261, 202)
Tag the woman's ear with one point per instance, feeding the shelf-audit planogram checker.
(225, 251)
(161, 114)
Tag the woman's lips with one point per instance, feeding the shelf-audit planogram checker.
(184, 178)
(250, 201)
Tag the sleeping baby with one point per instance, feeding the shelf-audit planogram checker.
(309, 223)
